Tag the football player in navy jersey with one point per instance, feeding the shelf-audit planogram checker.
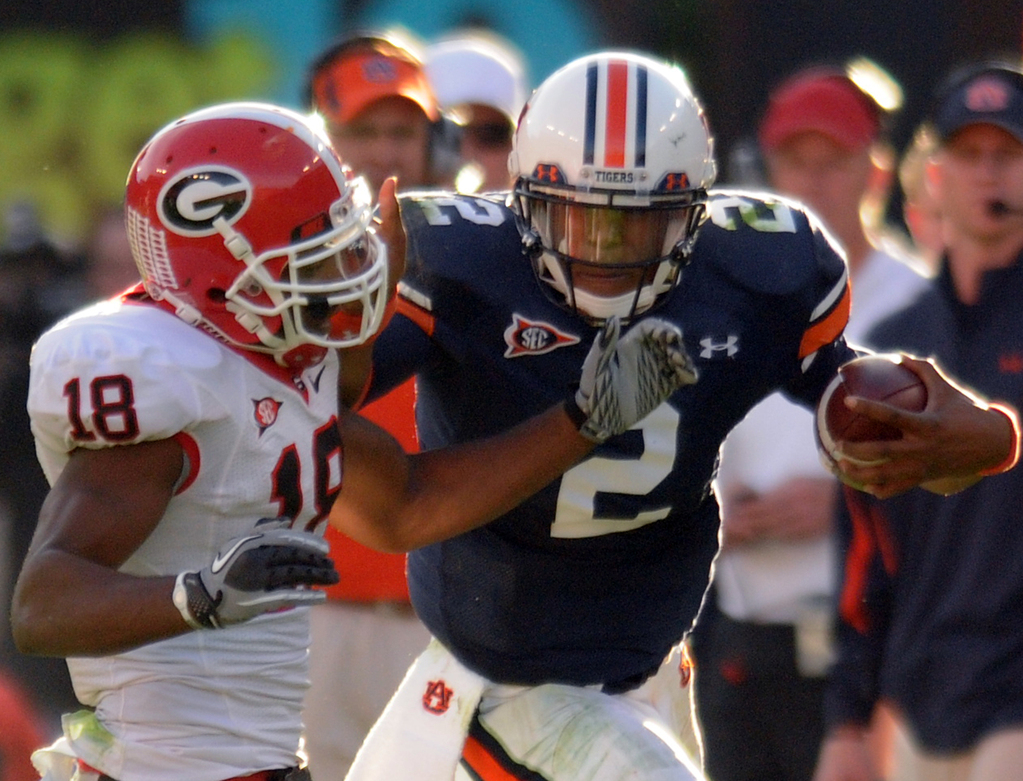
(550, 621)
(175, 420)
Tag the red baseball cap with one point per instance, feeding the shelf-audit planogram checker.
(823, 101)
(357, 77)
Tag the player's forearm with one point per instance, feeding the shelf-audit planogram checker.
(66, 606)
(463, 489)
(998, 437)
(447, 492)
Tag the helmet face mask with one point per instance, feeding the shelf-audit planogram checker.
(603, 260)
(612, 160)
(242, 218)
(315, 290)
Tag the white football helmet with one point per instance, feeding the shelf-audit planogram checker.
(612, 160)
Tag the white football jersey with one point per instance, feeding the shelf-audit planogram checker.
(205, 705)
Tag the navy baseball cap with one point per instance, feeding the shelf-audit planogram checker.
(991, 93)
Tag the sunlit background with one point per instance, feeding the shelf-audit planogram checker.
(84, 83)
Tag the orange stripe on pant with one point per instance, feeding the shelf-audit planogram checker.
(482, 763)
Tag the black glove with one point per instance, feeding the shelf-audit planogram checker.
(266, 570)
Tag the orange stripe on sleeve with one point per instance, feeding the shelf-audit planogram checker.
(827, 329)
(426, 321)
(193, 459)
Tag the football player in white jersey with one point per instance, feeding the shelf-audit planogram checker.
(193, 437)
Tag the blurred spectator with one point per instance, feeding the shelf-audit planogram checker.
(919, 206)
(480, 79)
(38, 284)
(763, 643)
(21, 732)
(380, 112)
(930, 617)
(110, 267)
(383, 119)
(744, 166)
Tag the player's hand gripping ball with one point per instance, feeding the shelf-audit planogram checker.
(874, 377)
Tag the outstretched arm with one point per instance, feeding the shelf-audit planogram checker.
(955, 441)
(393, 502)
(845, 756)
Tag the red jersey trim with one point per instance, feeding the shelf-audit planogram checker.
(192, 455)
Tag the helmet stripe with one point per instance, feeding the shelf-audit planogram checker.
(641, 116)
(608, 122)
(591, 114)
(617, 113)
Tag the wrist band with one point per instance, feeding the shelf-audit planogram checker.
(192, 601)
(1014, 450)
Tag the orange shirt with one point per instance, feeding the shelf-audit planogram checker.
(367, 575)
(21, 732)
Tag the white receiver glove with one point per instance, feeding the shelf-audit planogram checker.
(625, 377)
(266, 570)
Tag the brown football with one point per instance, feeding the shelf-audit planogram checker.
(874, 377)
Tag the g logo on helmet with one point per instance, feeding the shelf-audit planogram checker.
(189, 203)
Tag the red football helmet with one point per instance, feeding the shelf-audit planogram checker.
(243, 218)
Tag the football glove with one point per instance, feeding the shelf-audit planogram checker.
(267, 570)
(625, 377)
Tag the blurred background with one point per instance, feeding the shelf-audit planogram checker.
(83, 83)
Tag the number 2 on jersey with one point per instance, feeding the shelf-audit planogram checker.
(576, 514)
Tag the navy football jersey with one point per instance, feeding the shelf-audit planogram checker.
(594, 578)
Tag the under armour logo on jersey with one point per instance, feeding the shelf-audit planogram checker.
(437, 697)
(725, 348)
(527, 337)
(189, 204)
(265, 413)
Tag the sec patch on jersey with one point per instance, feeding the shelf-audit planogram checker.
(874, 377)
